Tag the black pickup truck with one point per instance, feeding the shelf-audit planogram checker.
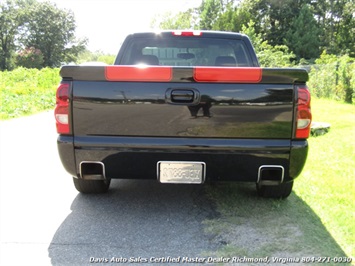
(184, 107)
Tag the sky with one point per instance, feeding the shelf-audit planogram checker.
(107, 22)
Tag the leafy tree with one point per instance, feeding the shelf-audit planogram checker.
(254, 37)
(41, 25)
(274, 17)
(268, 55)
(209, 12)
(233, 18)
(336, 20)
(305, 26)
(179, 21)
(30, 58)
(345, 34)
(227, 20)
(10, 21)
(52, 30)
(303, 35)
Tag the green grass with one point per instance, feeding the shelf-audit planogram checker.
(318, 217)
(27, 91)
(327, 182)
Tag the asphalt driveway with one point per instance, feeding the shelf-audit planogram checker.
(45, 221)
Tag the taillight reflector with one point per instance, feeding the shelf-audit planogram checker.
(139, 73)
(304, 115)
(228, 74)
(61, 111)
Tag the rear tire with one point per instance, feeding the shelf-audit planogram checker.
(91, 186)
(280, 191)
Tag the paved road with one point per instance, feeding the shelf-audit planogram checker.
(45, 221)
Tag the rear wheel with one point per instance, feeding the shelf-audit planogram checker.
(91, 186)
(280, 191)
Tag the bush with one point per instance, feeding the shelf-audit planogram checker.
(30, 58)
(26, 91)
(98, 56)
(275, 56)
(333, 77)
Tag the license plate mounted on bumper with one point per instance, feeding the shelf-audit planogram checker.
(181, 172)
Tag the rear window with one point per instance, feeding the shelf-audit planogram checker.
(186, 51)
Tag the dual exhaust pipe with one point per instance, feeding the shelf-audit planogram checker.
(271, 175)
(268, 175)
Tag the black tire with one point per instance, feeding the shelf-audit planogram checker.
(91, 186)
(280, 191)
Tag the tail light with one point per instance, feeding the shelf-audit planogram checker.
(187, 33)
(304, 115)
(61, 111)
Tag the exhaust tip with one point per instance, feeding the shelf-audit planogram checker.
(92, 170)
(270, 175)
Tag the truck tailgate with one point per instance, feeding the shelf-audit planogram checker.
(224, 110)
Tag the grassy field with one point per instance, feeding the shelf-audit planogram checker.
(316, 220)
(327, 183)
(27, 91)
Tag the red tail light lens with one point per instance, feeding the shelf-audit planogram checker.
(304, 115)
(225, 74)
(61, 111)
(136, 73)
(187, 33)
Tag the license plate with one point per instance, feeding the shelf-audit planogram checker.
(181, 172)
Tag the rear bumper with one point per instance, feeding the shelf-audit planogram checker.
(226, 159)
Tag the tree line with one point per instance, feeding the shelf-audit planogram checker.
(37, 34)
(305, 28)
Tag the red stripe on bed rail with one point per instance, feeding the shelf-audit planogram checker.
(139, 73)
(228, 74)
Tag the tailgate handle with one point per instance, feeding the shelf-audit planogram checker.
(182, 96)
